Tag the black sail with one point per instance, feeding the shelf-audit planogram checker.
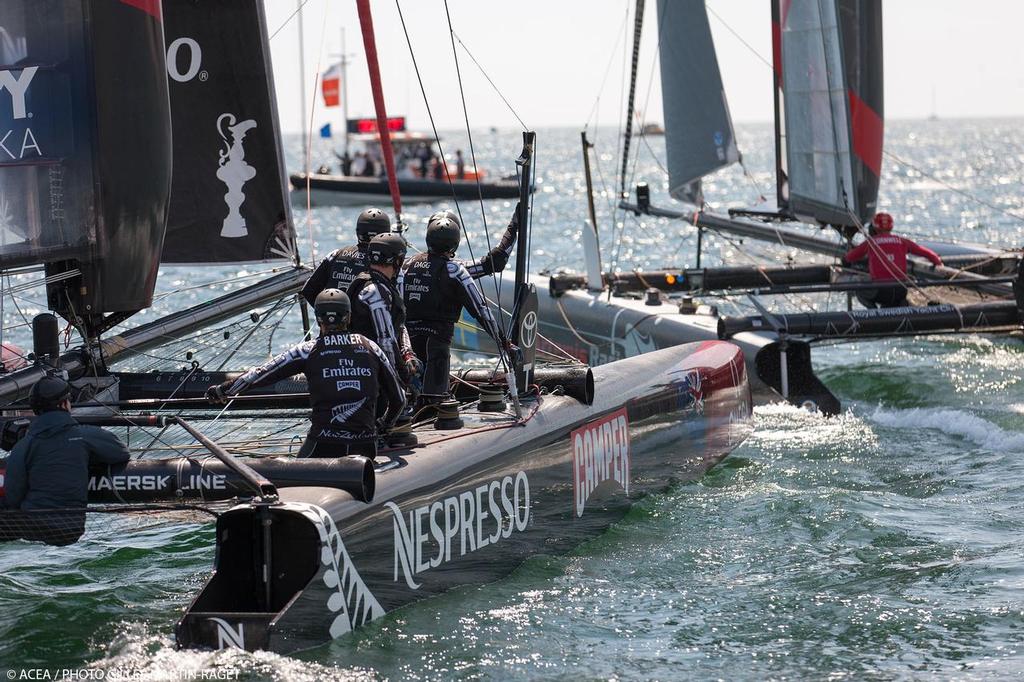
(85, 149)
(229, 200)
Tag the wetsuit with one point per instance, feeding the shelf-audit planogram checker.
(379, 313)
(436, 289)
(887, 265)
(49, 469)
(336, 271)
(351, 385)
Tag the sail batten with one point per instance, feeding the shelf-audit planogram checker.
(699, 136)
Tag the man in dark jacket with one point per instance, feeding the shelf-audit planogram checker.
(49, 469)
(436, 288)
(353, 390)
(342, 266)
(377, 308)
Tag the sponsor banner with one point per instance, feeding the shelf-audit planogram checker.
(600, 454)
(229, 196)
(433, 534)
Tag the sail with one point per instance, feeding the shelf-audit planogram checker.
(85, 149)
(699, 136)
(229, 200)
(828, 75)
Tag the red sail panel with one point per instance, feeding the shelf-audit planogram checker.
(150, 7)
(868, 130)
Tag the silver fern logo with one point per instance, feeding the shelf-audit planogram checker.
(341, 413)
(352, 599)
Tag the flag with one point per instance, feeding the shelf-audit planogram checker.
(330, 86)
(325, 131)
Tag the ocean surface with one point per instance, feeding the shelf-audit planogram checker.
(884, 543)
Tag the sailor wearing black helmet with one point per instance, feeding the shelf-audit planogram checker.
(377, 308)
(339, 268)
(354, 392)
(495, 259)
(436, 288)
(49, 468)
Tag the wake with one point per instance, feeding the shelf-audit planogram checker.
(954, 423)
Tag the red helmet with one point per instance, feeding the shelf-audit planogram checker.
(882, 222)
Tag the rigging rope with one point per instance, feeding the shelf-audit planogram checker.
(503, 98)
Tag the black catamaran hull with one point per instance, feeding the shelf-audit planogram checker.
(469, 509)
(339, 190)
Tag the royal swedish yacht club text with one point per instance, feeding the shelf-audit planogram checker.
(429, 535)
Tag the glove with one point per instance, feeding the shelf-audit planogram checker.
(845, 263)
(514, 223)
(413, 365)
(514, 353)
(215, 394)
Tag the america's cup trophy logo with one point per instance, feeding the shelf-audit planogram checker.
(234, 172)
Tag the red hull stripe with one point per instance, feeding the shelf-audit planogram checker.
(150, 7)
(868, 130)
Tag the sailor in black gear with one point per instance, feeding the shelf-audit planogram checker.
(495, 259)
(342, 266)
(377, 308)
(436, 288)
(353, 390)
(48, 469)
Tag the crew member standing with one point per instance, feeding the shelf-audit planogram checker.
(343, 265)
(435, 288)
(48, 469)
(377, 308)
(887, 264)
(352, 387)
(494, 260)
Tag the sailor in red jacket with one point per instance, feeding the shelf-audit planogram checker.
(887, 264)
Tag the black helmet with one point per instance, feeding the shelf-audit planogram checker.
(449, 214)
(386, 249)
(48, 393)
(333, 308)
(370, 223)
(442, 235)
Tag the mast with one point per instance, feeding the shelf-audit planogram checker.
(370, 45)
(344, 89)
(302, 89)
(525, 325)
(638, 25)
(781, 184)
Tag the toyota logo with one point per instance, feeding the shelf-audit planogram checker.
(528, 330)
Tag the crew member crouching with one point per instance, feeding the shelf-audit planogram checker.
(353, 389)
(49, 469)
(887, 263)
(435, 288)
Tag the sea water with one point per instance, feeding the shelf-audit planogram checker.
(885, 542)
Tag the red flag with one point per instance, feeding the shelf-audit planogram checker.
(330, 86)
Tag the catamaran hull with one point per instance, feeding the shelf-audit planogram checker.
(468, 510)
(337, 190)
(598, 329)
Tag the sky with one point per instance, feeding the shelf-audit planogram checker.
(561, 62)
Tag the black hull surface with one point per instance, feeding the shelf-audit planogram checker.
(342, 190)
(468, 509)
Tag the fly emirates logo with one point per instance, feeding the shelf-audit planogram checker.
(455, 526)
